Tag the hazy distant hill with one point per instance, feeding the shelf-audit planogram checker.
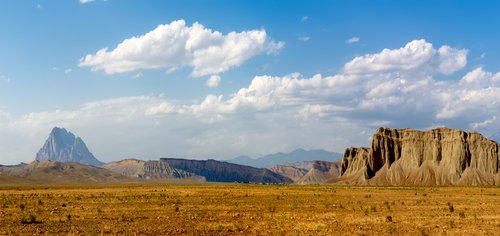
(218, 171)
(63, 146)
(48, 172)
(280, 158)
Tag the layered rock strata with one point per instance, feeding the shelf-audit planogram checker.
(219, 171)
(439, 156)
(149, 170)
(315, 172)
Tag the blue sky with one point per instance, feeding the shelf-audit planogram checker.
(218, 79)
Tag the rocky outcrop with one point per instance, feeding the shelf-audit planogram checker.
(320, 172)
(440, 156)
(218, 171)
(291, 171)
(314, 172)
(149, 170)
(64, 146)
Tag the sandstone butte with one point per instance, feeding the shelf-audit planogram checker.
(439, 156)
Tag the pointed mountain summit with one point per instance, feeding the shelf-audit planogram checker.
(64, 146)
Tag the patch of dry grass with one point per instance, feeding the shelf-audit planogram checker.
(248, 209)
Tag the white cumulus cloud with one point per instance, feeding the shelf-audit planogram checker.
(304, 38)
(175, 45)
(353, 40)
(279, 113)
(86, 1)
(416, 56)
(213, 81)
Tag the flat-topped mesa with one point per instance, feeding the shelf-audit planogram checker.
(439, 156)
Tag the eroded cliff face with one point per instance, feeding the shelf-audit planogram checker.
(149, 170)
(320, 172)
(440, 156)
(219, 171)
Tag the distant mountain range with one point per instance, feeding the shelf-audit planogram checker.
(280, 158)
(64, 158)
(440, 156)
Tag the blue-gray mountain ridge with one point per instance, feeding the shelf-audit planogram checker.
(280, 158)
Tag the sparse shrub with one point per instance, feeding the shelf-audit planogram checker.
(272, 207)
(388, 218)
(68, 216)
(451, 223)
(461, 214)
(365, 211)
(22, 206)
(237, 228)
(391, 229)
(451, 208)
(31, 220)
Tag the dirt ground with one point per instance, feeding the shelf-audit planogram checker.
(248, 209)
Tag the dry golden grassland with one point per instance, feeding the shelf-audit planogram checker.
(243, 209)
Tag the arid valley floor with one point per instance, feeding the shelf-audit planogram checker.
(242, 209)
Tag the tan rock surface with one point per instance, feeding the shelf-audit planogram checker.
(148, 169)
(439, 156)
(314, 173)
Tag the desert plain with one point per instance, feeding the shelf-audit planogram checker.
(247, 209)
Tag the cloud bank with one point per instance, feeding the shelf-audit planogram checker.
(394, 87)
(175, 45)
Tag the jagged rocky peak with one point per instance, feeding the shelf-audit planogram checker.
(64, 146)
(440, 156)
